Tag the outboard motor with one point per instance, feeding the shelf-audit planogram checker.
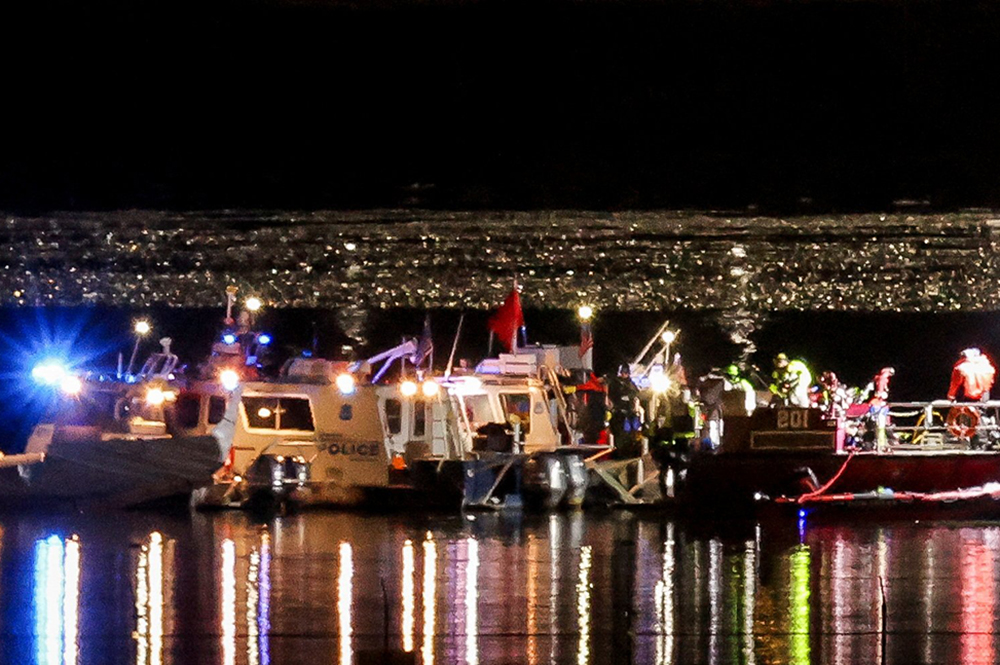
(544, 482)
(276, 479)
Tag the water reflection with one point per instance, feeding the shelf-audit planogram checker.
(428, 599)
(472, 601)
(540, 590)
(583, 587)
(57, 598)
(149, 602)
(345, 593)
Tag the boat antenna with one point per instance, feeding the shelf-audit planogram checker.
(642, 354)
(454, 345)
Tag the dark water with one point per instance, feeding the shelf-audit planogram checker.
(562, 588)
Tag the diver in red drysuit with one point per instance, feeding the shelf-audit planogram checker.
(974, 374)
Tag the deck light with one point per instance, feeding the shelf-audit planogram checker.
(71, 385)
(142, 327)
(253, 304)
(585, 312)
(668, 336)
(155, 396)
(346, 384)
(430, 388)
(263, 339)
(659, 382)
(229, 338)
(229, 379)
(408, 388)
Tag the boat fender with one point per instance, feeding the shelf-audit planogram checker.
(962, 421)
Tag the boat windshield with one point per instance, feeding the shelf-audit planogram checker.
(517, 408)
(477, 410)
(278, 413)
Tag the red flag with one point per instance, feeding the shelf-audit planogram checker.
(586, 339)
(506, 320)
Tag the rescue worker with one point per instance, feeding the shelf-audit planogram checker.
(831, 395)
(974, 375)
(625, 421)
(791, 381)
(880, 386)
(736, 381)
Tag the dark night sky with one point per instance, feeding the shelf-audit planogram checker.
(850, 103)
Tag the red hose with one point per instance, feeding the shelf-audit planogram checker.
(817, 492)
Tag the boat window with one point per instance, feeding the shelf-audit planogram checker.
(187, 410)
(280, 413)
(419, 417)
(393, 415)
(477, 410)
(517, 406)
(295, 414)
(216, 409)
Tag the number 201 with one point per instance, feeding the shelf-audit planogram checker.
(792, 419)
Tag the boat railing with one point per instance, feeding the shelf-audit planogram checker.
(941, 423)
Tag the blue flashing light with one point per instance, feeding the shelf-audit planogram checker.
(802, 513)
(263, 339)
(229, 338)
(307, 354)
(49, 372)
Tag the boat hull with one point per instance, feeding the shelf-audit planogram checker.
(736, 481)
(121, 472)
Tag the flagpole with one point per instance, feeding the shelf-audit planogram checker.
(454, 345)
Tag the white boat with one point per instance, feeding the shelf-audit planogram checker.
(121, 442)
(326, 433)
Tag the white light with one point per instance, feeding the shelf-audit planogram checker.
(170, 396)
(264, 412)
(155, 397)
(71, 385)
(345, 384)
(229, 338)
(408, 388)
(659, 382)
(585, 312)
(48, 372)
(668, 337)
(142, 327)
(254, 303)
(430, 388)
(229, 379)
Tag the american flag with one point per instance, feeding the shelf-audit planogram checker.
(586, 339)
(426, 344)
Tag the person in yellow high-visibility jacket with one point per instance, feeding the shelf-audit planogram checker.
(791, 381)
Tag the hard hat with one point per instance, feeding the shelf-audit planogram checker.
(732, 370)
(781, 359)
(972, 352)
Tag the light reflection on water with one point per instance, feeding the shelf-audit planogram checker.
(562, 588)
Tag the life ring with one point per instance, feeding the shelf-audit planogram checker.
(962, 421)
